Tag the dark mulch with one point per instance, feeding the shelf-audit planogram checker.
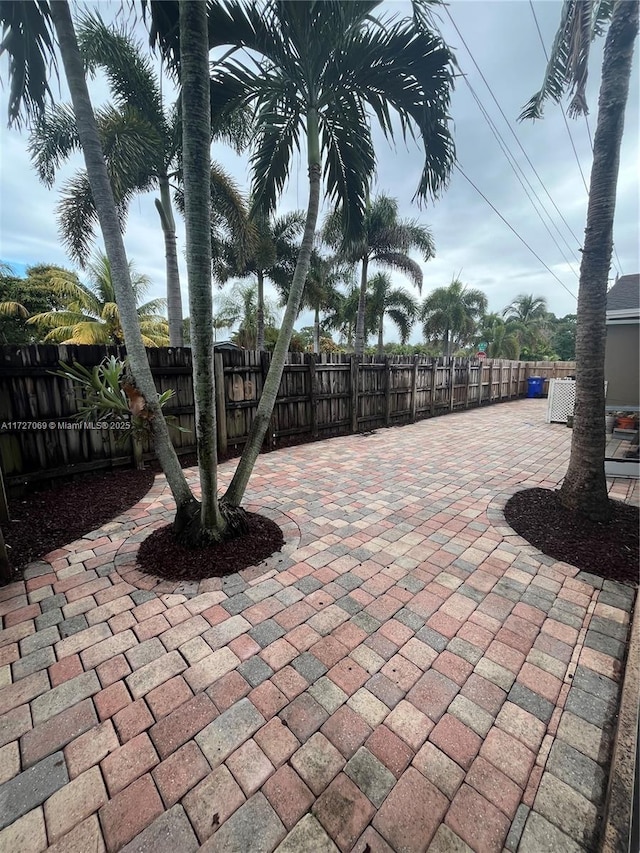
(609, 550)
(161, 555)
(51, 518)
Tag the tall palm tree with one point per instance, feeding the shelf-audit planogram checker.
(400, 307)
(323, 68)
(343, 317)
(585, 488)
(321, 292)
(321, 289)
(385, 240)
(142, 144)
(527, 316)
(240, 305)
(29, 32)
(503, 341)
(272, 255)
(91, 314)
(451, 313)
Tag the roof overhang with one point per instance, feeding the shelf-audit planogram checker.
(625, 315)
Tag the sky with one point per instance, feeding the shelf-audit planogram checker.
(499, 53)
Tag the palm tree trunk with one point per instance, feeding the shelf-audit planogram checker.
(196, 141)
(174, 297)
(380, 335)
(585, 488)
(316, 331)
(238, 484)
(362, 305)
(260, 313)
(114, 246)
(445, 344)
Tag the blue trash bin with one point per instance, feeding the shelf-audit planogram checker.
(534, 386)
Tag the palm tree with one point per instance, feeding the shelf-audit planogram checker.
(142, 148)
(527, 315)
(386, 301)
(503, 341)
(322, 69)
(386, 241)
(29, 29)
(272, 256)
(451, 313)
(241, 305)
(91, 314)
(321, 294)
(344, 316)
(585, 488)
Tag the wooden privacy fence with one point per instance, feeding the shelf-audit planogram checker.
(319, 396)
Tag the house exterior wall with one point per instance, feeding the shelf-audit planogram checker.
(622, 365)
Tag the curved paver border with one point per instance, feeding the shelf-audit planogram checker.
(127, 569)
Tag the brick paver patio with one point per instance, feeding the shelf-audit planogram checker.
(408, 675)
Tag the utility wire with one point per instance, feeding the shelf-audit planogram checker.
(513, 163)
(564, 115)
(508, 224)
(535, 171)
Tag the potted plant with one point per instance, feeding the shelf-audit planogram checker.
(625, 420)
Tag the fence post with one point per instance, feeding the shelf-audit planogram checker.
(354, 393)
(452, 381)
(414, 389)
(313, 379)
(468, 386)
(491, 382)
(387, 392)
(434, 379)
(221, 402)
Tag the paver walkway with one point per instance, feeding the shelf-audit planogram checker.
(408, 675)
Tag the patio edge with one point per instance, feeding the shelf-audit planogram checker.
(619, 802)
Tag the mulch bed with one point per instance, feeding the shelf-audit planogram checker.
(161, 555)
(609, 550)
(51, 518)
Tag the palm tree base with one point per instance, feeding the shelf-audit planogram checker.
(189, 531)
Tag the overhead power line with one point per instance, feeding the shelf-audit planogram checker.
(508, 123)
(508, 224)
(517, 170)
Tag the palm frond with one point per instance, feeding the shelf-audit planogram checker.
(28, 40)
(567, 66)
(350, 161)
(52, 140)
(133, 150)
(132, 80)
(279, 123)
(77, 217)
(396, 69)
(403, 263)
(154, 306)
(13, 309)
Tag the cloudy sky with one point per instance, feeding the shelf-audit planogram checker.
(499, 52)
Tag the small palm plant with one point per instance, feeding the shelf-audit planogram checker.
(107, 393)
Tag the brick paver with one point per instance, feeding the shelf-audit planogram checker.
(406, 675)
